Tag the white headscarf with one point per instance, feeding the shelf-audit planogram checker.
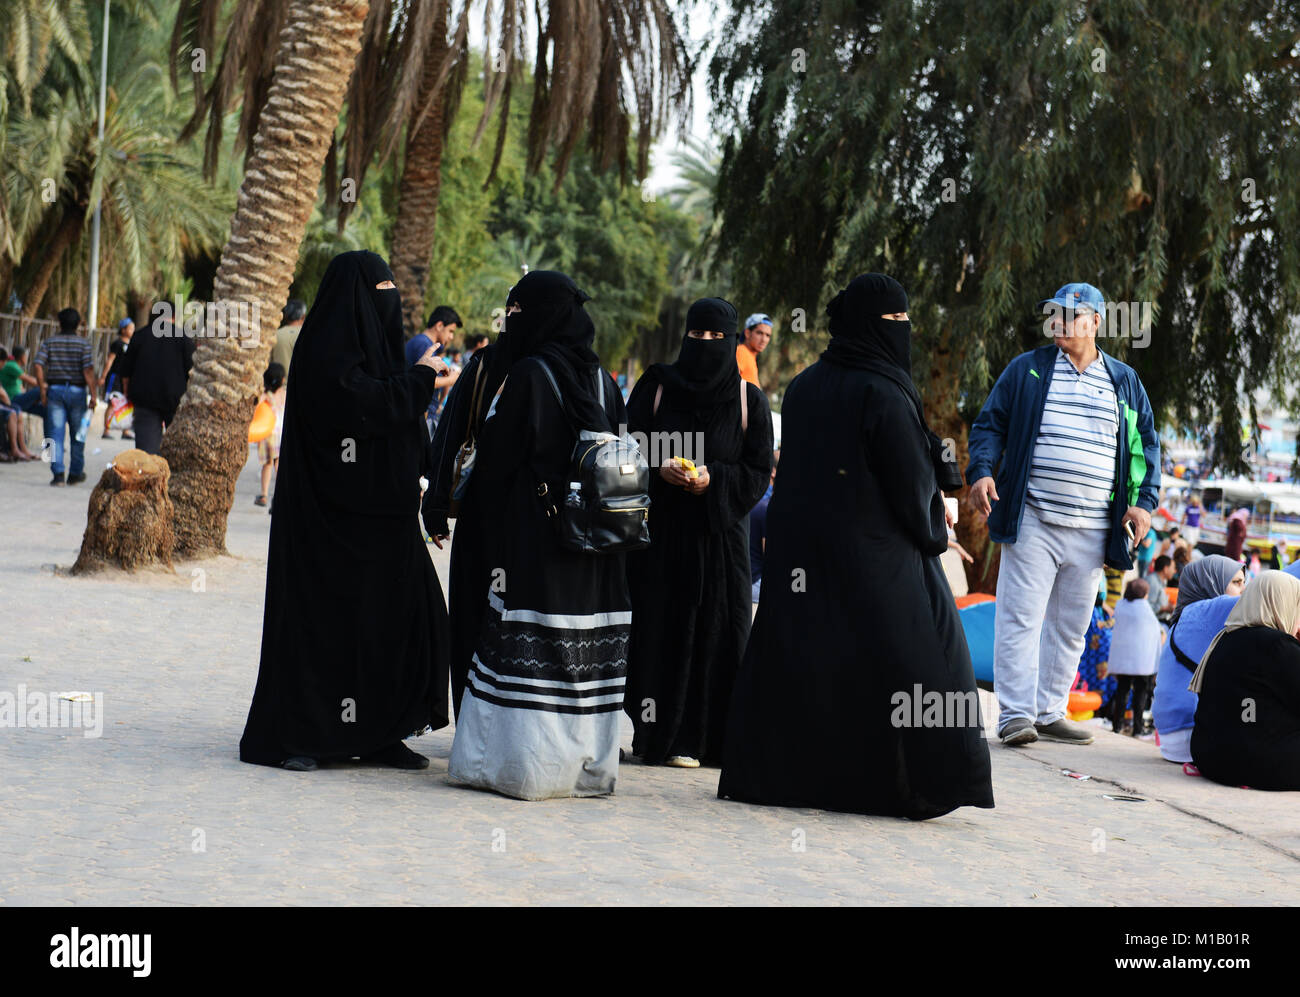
(1271, 600)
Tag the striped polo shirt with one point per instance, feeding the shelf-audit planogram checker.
(65, 358)
(1072, 470)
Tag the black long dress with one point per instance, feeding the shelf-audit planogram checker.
(854, 610)
(1247, 729)
(470, 571)
(540, 714)
(691, 593)
(354, 653)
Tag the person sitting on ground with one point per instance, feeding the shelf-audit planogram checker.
(11, 412)
(1236, 539)
(1206, 596)
(1167, 544)
(269, 448)
(16, 449)
(1248, 717)
(1135, 640)
(1162, 570)
(1182, 556)
(23, 389)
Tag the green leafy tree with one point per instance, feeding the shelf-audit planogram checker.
(986, 154)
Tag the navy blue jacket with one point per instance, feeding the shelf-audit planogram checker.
(1007, 428)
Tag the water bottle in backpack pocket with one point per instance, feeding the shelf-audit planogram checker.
(607, 506)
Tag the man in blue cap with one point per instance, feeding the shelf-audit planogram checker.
(758, 333)
(1069, 433)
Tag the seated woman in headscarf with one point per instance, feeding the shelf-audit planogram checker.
(691, 593)
(354, 635)
(856, 692)
(539, 717)
(1206, 596)
(1248, 715)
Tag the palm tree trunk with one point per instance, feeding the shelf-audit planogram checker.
(207, 444)
(417, 195)
(74, 220)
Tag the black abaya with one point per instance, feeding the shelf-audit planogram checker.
(470, 570)
(855, 614)
(691, 593)
(1247, 729)
(354, 654)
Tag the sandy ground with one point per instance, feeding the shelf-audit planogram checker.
(158, 810)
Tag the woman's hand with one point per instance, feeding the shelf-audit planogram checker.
(432, 361)
(673, 473)
(698, 486)
(961, 551)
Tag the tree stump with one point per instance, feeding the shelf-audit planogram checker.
(129, 522)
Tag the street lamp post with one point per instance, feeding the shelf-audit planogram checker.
(94, 221)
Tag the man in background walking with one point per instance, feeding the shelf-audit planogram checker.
(65, 374)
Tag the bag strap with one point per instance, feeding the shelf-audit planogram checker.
(475, 399)
(744, 404)
(550, 379)
(1179, 656)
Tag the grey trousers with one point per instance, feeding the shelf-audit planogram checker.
(1047, 586)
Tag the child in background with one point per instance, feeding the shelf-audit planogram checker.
(269, 448)
(1135, 644)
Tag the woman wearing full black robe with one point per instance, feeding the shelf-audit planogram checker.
(540, 713)
(470, 571)
(354, 654)
(855, 617)
(691, 591)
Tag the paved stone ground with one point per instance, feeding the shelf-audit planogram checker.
(118, 819)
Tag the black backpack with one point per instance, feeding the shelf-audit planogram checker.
(607, 507)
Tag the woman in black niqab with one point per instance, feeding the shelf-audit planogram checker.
(856, 636)
(354, 654)
(691, 593)
(539, 714)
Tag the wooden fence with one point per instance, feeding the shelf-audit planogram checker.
(40, 329)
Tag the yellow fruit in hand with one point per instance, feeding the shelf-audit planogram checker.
(689, 465)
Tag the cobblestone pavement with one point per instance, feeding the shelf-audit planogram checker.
(158, 810)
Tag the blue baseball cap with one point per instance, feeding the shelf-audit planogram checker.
(1077, 296)
(758, 318)
(125, 322)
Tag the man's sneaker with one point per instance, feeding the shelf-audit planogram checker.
(1065, 731)
(57, 480)
(1017, 732)
(76, 479)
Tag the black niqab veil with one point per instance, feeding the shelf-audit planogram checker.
(862, 339)
(705, 378)
(553, 325)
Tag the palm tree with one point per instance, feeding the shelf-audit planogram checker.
(32, 32)
(207, 445)
(595, 63)
(156, 207)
